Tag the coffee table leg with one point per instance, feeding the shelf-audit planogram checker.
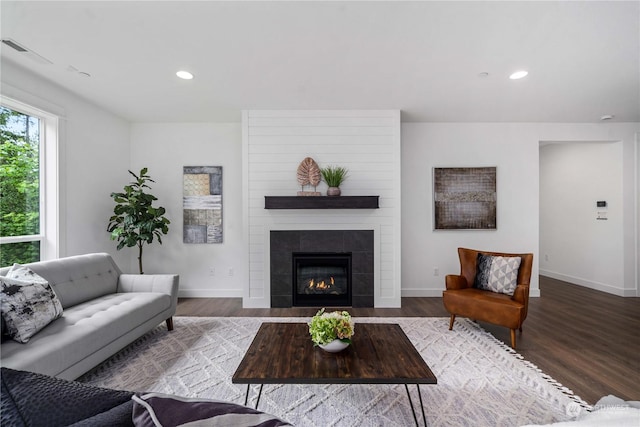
(424, 418)
(259, 394)
(246, 396)
(413, 411)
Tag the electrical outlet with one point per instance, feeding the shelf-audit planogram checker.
(436, 271)
(230, 272)
(546, 257)
(212, 271)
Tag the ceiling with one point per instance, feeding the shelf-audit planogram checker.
(421, 57)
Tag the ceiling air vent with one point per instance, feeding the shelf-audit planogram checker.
(14, 45)
(26, 52)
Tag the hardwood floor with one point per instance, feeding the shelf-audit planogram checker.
(589, 341)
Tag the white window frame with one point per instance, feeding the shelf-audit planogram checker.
(49, 236)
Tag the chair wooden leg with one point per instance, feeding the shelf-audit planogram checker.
(513, 339)
(170, 324)
(451, 320)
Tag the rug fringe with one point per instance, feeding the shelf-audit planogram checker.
(549, 379)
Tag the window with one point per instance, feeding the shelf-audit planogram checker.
(28, 184)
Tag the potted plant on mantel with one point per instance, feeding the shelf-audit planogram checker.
(135, 220)
(334, 176)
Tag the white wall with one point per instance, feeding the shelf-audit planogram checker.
(93, 145)
(164, 148)
(514, 149)
(425, 146)
(367, 143)
(98, 147)
(574, 245)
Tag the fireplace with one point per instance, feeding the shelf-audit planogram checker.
(357, 244)
(321, 279)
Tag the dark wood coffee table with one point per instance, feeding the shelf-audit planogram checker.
(380, 353)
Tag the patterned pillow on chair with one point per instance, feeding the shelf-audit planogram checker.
(497, 273)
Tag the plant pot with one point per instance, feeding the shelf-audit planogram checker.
(333, 191)
(334, 346)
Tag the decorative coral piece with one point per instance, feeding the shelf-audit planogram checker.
(308, 172)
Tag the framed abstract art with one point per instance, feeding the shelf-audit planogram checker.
(202, 204)
(464, 198)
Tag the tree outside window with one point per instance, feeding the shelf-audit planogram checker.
(19, 187)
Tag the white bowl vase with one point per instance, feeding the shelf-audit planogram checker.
(334, 346)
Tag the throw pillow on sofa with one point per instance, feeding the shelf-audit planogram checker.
(28, 303)
(497, 273)
(157, 410)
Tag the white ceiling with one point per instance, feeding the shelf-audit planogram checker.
(423, 57)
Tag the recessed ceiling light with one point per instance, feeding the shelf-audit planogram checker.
(607, 117)
(518, 75)
(184, 75)
(483, 74)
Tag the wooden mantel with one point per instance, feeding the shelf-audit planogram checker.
(321, 202)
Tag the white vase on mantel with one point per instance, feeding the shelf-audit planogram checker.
(333, 191)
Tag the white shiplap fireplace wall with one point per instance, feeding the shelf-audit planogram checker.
(366, 142)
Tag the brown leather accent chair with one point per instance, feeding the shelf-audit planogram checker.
(462, 299)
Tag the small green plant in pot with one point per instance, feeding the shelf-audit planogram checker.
(135, 221)
(334, 176)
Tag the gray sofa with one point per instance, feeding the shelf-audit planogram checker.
(104, 310)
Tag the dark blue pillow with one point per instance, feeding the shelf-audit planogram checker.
(483, 269)
(153, 408)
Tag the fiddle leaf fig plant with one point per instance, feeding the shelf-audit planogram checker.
(135, 221)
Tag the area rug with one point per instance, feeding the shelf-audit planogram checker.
(481, 382)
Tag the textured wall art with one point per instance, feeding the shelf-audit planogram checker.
(202, 204)
(464, 198)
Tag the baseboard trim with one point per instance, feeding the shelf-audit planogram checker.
(209, 293)
(603, 287)
(413, 292)
(234, 293)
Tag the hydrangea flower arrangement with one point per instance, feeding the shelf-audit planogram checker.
(326, 327)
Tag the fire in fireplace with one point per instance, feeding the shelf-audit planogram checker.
(321, 279)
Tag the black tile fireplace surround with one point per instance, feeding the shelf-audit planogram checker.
(358, 242)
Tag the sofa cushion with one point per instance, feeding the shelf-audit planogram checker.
(28, 303)
(78, 278)
(30, 399)
(83, 330)
(497, 273)
(154, 409)
(119, 415)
